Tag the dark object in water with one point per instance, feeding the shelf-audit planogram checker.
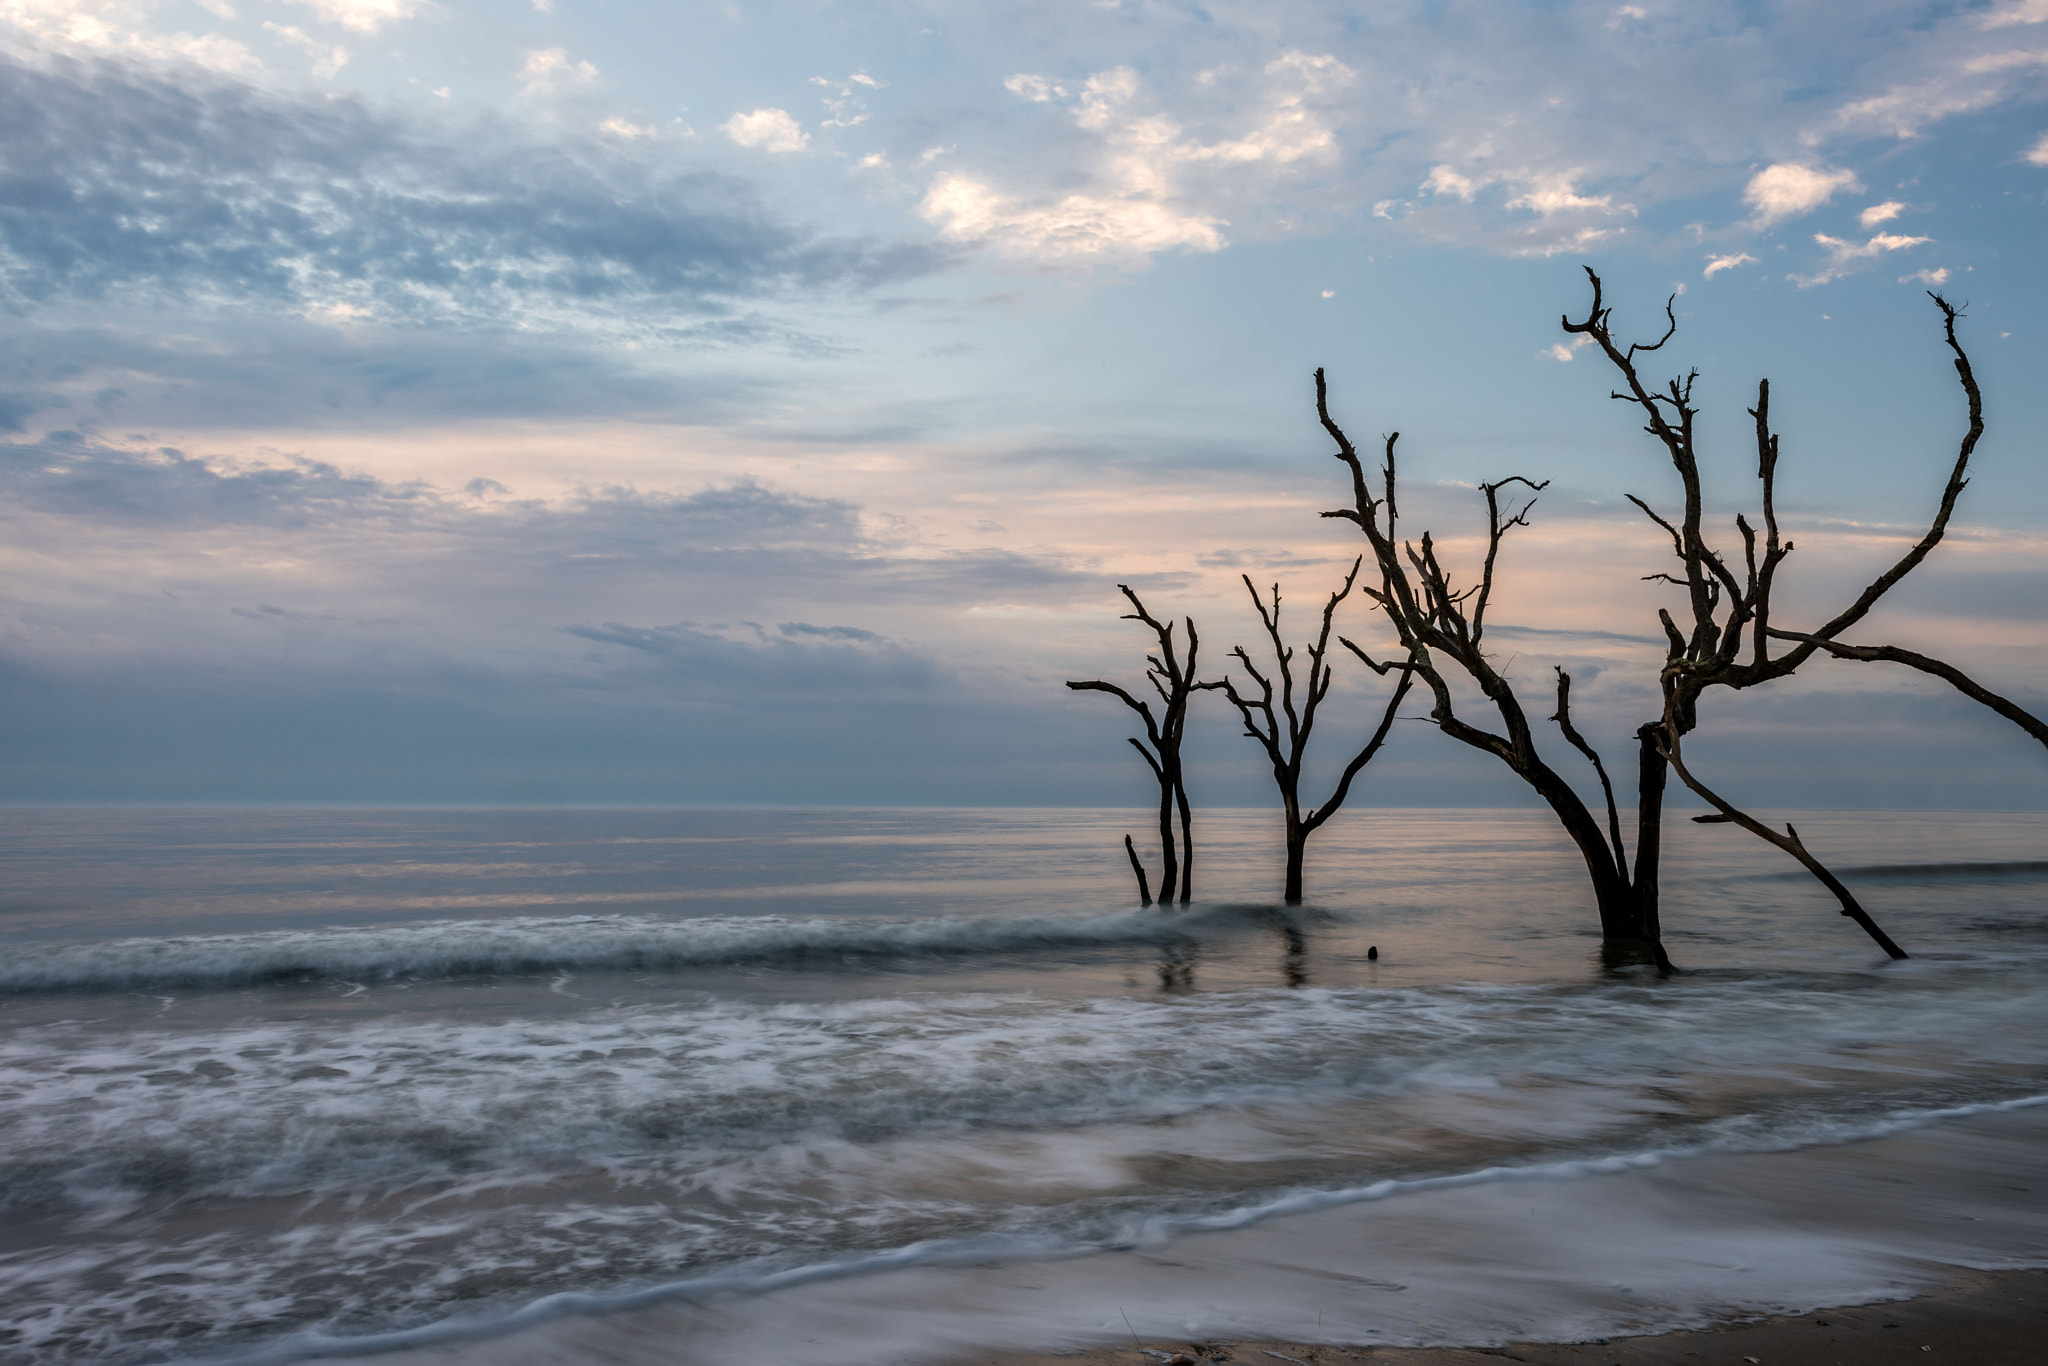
(1372, 953)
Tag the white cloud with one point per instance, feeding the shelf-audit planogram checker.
(1148, 173)
(1717, 264)
(550, 69)
(2016, 12)
(1845, 256)
(364, 16)
(1788, 189)
(1564, 350)
(1037, 89)
(769, 130)
(1555, 194)
(620, 128)
(1926, 277)
(1329, 294)
(1442, 180)
(544, 6)
(328, 58)
(2038, 153)
(1880, 213)
(1077, 228)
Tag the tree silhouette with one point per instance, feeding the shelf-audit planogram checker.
(1442, 629)
(1173, 681)
(1283, 731)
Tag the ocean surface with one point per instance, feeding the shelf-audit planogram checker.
(671, 1085)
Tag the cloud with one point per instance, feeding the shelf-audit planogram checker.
(1735, 261)
(1880, 213)
(210, 193)
(797, 659)
(1563, 351)
(1146, 168)
(550, 70)
(364, 16)
(1936, 278)
(1845, 256)
(1037, 89)
(2038, 153)
(1787, 190)
(770, 130)
(328, 58)
(1079, 227)
(2015, 12)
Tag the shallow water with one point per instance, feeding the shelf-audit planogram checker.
(275, 1080)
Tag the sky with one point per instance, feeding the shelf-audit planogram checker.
(543, 401)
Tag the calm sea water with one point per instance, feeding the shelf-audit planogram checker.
(290, 1082)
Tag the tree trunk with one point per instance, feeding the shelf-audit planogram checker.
(1620, 914)
(1652, 770)
(1297, 846)
(1169, 871)
(1187, 840)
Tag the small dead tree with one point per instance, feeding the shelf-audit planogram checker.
(1441, 628)
(1283, 730)
(1173, 681)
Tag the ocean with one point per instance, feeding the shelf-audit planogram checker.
(889, 1085)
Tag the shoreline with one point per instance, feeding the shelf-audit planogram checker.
(1970, 1318)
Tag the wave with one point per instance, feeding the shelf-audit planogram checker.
(453, 948)
(1134, 1230)
(1928, 872)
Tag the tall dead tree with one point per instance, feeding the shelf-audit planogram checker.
(1172, 680)
(1726, 643)
(1283, 720)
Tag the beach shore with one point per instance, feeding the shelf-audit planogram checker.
(1974, 1318)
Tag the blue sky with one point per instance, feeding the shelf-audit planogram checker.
(405, 401)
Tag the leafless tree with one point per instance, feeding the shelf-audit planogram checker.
(1282, 721)
(1172, 679)
(1441, 628)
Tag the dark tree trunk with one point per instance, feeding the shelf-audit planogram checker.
(1653, 771)
(1297, 849)
(1169, 871)
(1187, 841)
(1138, 867)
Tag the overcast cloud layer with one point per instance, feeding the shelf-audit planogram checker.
(761, 403)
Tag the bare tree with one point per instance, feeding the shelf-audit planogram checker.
(1173, 681)
(1441, 628)
(1283, 731)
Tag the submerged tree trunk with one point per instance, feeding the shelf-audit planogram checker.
(1297, 850)
(1652, 771)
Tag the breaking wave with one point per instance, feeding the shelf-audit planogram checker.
(452, 948)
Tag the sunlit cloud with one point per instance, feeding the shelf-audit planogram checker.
(1845, 256)
(767, 130)
(1788, 190)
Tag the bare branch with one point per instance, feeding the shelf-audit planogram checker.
(1789, 842)
(1948, 673)
(1563, 718)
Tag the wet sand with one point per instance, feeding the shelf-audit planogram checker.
(1975, 1318)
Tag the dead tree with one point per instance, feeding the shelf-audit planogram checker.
(1283, 731)
(1173, 680)
(1441, 628)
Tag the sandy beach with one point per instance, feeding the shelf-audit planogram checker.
(1975, 1318)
